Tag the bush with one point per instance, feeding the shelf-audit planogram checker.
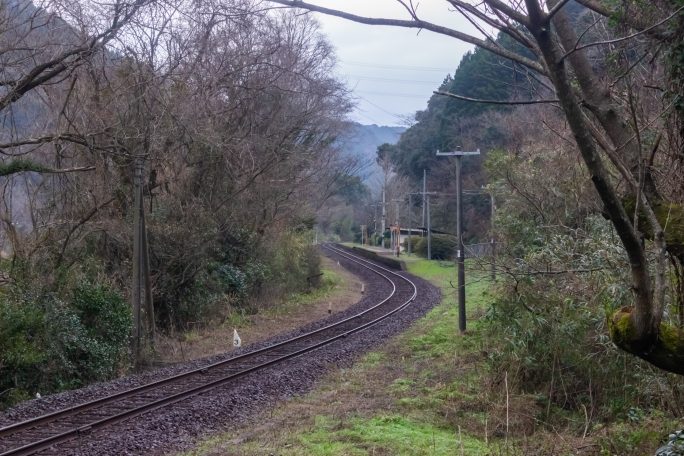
(443, 247)
(21, 350)
(414, 243)
(107, 322)
(292, 261)
(47, 344)
(548, 332)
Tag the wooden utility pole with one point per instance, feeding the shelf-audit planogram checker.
(460, 253)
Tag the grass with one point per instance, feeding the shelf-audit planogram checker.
(271, 319)
(329, 281)
(419, 395)
(385, 434)
(429, 391)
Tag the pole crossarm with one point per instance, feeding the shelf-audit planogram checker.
(458, 153)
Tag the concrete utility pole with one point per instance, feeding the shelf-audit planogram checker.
(492, 240)
(397, 245)
(408, 214)
(424, 190)
(375, 218)
(460, 253)
(426, 208)
(141, 293)
(429, 227)
(384, 216)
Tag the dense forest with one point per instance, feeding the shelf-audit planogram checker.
(221, 117)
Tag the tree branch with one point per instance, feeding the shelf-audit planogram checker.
(21, 166)
(624, 38)
(495, 102)
(632, 20)
(556, 8)
(417, 24)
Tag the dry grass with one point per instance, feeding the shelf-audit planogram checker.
(275, 318)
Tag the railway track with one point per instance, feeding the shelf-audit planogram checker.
(45, 432)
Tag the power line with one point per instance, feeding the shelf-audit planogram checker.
(397, 67)
(394, 94)
(399, 117)
(409, 81)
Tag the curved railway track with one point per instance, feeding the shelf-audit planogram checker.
(37, 434)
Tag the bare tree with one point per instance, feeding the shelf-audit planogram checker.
(607, 132)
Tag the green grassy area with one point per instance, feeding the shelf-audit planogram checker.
(385, 434)
(328, 282)
(418, 395)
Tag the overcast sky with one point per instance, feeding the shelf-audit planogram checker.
(392, 71)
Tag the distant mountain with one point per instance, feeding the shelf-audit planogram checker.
(362, 141)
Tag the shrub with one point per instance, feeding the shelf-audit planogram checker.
(21, 349)
(414, 243)
(443, 247)
(48, 344)
(548, 331)
(106, 319)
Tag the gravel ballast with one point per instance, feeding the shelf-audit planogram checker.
(178, 426)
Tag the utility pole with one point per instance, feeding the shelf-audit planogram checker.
(397, 240)
(492, 240)
(375, 218)
(384, 215)
(460, 254)
(141, 293)
(429, 227)
(426, 208)
(408, 214)
(424, 190)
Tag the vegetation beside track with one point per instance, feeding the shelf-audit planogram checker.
(398, 400)
(431, 391)
(337, 288)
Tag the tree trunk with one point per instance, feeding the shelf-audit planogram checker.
(644, 322)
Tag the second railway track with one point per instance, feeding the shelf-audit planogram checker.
(43, 433)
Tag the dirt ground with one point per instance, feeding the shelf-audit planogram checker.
(263, 325)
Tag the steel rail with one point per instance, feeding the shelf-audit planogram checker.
(47, 442)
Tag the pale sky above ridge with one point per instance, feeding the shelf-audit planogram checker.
(392, 71)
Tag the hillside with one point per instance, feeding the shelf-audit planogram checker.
(362, 141)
